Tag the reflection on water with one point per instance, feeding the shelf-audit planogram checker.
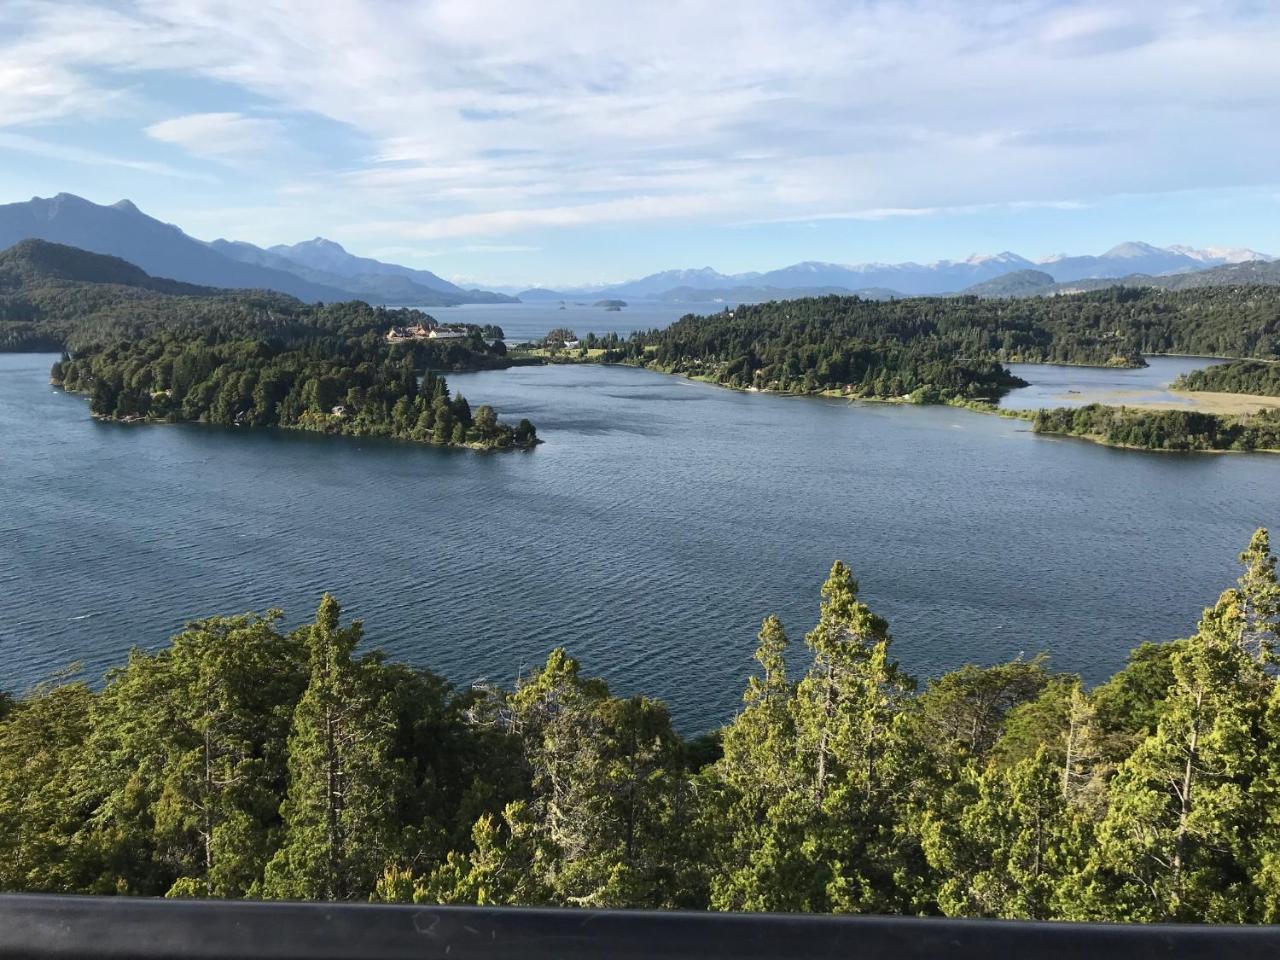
(650, 534)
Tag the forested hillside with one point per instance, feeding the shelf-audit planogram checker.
(244, 760)
(1241, 376)
(952, 348)
(1182, 430)
(149, 349)
(54, 297)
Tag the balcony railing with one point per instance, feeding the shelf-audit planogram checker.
(99, 927)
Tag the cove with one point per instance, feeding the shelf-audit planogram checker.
(649, 534)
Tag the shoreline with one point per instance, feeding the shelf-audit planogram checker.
(131, 421)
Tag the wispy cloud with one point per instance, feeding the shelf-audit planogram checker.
(217, 134)
(36, 147)
(484, 119)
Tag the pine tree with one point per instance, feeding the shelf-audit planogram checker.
(754, 834)
(340, 829)
(1260, 599)
(848, 712)
(1173, 842)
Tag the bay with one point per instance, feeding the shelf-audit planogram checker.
(650, 533)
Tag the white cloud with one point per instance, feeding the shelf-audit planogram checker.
(216, 134)
(21, 143)
(485, 118)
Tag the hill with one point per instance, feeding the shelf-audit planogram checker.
(1020, 283)
(164, 250)
(1251, 273)
(31, 262)
(161, 249)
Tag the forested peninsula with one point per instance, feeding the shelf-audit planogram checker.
(147, 349)
(953, 350)
(1174, 430)
(244, 760)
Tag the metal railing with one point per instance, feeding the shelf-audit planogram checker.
(39, 926)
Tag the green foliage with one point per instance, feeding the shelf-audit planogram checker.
(939, 349)
(242, 761)
(357, 387)
(1239, 376)
(1163, 429)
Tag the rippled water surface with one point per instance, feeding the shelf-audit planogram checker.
(658, 524)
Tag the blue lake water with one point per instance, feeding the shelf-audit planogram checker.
(1067, 386)
(650, 533)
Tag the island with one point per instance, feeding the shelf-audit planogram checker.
(145, 349)
(610, 304)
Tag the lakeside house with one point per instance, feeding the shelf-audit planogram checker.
(421, 331)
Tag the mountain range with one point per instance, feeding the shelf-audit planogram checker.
(321, 269)
(317, 269)
(911, 279)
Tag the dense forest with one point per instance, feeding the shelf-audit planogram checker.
(1240, 376)
(359, 387)
(1163, 429)
(149, 349)
(243, 760)
(946, 348)
(54, 297)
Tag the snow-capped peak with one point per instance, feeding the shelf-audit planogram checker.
(1220, 255)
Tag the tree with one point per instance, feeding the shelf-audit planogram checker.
(1170, 844)
(340, 832)
(755, 783)
(848, 732)
(197, 728)
(1009, 849)
(1260, 599)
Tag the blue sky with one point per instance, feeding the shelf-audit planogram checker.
(569, 142)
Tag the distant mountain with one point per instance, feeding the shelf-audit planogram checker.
(164, 250)
(374, 288)
(161, 249)
(1122, 260)
(910, 279)
(755, 294)
(656, 285)
(1264, 273)
(397, 283)
(1020, 283)
(32, 261)
(330, 257)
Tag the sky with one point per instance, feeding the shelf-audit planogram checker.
(560, 142)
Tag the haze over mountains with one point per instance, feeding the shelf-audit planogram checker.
(315, 270)
(910, 279)
(320, 269)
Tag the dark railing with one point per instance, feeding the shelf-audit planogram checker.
(99, 927)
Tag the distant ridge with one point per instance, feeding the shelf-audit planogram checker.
(1020, 283)
(31, 260)
(164, 250)
(881, 280)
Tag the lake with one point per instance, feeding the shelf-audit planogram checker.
(1070, 386)
(650, 533)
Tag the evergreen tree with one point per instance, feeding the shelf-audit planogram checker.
(340, 829)
(1171, 844)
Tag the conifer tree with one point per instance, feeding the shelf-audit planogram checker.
(1172, 844)
(340, 829)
